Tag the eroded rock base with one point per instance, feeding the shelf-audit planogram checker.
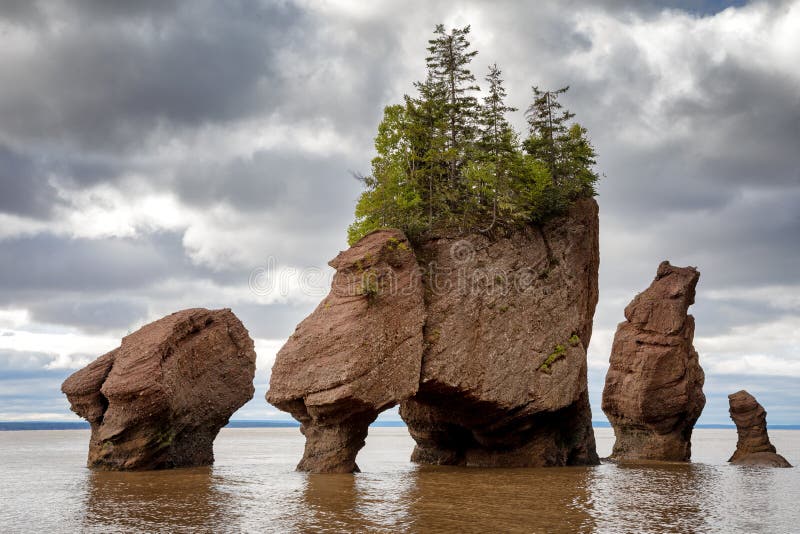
(333, 448)
(452, 435)
(753, 446)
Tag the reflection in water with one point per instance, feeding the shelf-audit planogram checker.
(329, 502)
(349, 503)
(654, 497)
(177, 500)
(451, 499)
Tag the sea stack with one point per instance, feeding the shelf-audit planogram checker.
(358, 354)
(654, 387)
(160, 398)
(481, 339)
(753, 446)
(503, 380)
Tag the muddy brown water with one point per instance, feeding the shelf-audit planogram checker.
(253, 488)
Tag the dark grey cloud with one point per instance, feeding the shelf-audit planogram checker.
(127, 95)
(24, 188)
(109, 84)
(696, 7)
(19, 12)
(272, 321)
(90, 315)
(20, 361)
(265, 181)
(46, 263)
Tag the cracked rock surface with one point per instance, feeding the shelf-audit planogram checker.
(503, 380)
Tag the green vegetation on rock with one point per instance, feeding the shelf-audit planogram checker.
(447, 162)
(369, 286)
(165, 438)
(557, 354)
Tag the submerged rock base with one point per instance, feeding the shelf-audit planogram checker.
(445, 437)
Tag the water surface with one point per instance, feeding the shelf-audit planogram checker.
(253, 488)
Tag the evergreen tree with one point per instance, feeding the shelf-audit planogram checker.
(427, 130)
(443, 163)
(391, 197)
(496, 137)
(548, 129)
(489, 175)
(451, 83)
(563, 148)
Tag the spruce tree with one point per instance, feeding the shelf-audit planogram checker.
(450, 79)
(446, 164)
(548, 129)
(496, 148)
(563, 148)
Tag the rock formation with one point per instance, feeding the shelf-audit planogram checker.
(504, 368)
(654, 387)
(486, 351)
(160, 398)
(503, 378)
(753, 446)
(357, 354)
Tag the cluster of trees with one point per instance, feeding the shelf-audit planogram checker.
(447, 162)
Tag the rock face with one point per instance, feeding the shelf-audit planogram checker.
(753, 447)
(357, 354)
(503, 379)
(160, 398)
(654, 387)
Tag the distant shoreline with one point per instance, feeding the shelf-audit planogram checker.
(81, 425)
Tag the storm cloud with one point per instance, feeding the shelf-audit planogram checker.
(154, 155)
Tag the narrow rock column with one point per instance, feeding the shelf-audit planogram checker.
(333, 447)
(753, 446)
(654, 387)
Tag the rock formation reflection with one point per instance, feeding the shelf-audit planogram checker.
(655, 497)
(179, 500)
(451, 499)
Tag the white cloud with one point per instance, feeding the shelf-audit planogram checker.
(13, 318)
(266, 349)
(755, 364)
(106, 211)
(39, 416)
(673, 51)
(772, 348)
(785, 298)
(69, 350)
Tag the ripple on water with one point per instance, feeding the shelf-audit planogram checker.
(253, 487)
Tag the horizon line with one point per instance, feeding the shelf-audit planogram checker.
(288, 423)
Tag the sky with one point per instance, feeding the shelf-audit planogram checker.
(161, 155)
